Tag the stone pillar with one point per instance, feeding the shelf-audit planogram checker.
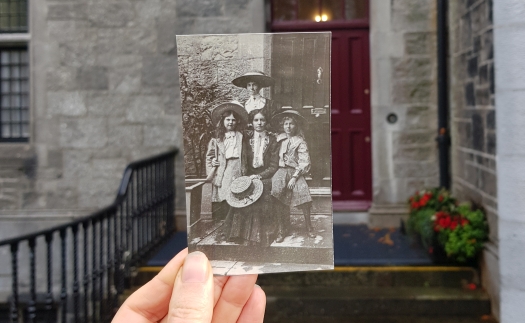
(403, 77)
(509, 66)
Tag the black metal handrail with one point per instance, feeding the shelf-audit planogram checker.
(113, 241)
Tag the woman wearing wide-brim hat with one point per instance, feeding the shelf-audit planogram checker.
(224, 154)
(250, 221)
(253, 82)
(289, 186)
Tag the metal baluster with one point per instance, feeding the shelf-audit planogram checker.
(140, 210)
(49, 295)
(156, 199)
(133, 212)
(31, 309)
(14, 287)
(101, 268)
(76, 283)
(94, 274)
(63, 294)
(108, 266)
(85, 226)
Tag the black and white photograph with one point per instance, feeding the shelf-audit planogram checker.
(257, 150)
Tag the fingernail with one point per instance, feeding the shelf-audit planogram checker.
(195, 268)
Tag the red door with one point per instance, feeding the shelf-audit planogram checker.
(351, 147)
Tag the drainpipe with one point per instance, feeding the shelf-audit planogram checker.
(443, 137)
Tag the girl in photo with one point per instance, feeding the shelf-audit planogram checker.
(289, 186)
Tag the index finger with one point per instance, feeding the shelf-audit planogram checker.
(150, 303)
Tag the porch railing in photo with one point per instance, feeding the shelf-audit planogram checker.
(75, 272)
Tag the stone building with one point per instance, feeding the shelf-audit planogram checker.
(90, 85)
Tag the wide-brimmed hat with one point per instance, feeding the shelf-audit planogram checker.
(229, 106)
(289, 113)
(244, 191)
(253, 76)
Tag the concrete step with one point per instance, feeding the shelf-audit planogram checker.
(383, 319)
(366, 301)
(431, 276)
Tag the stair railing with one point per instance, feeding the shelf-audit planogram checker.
(97, 253)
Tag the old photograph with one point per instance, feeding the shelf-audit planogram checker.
(257, 150)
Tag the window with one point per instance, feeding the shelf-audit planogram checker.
(14, 71)
(318, 10)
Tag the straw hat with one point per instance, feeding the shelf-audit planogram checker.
(244, 191)
(229, 106)
(289, 113)
(253, 76)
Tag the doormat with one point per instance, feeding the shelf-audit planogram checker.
(359, 245)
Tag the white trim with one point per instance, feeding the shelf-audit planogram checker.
(15, 38)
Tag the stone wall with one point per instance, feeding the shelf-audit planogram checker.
(104, 92)
(403, 74)
(207, 66)
(473, 120)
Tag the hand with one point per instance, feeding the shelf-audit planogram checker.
(291, 183)
(214, 162)
(186, 291)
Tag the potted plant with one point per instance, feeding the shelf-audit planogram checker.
(450, 232)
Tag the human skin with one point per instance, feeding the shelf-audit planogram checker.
(185, 290)
(259, 122)
(253, 88)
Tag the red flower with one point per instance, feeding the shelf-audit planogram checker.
(440, 198)
(430, 250)
(422, 202)
(453, 224)
(471, 286)
(414, 205)
(464, 222)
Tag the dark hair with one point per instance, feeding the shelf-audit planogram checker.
(255, 112)
(221, 129)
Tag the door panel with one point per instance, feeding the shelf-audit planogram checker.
(351, 115)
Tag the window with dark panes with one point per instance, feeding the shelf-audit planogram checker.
(318, 10)
(14, 71)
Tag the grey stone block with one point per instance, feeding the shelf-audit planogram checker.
(166, 35)
(199, 8)
(138, 41)
(413, 138)
(125, 136)
(92, 78)
(415, 169)
(145, 109)
(160, 71)
(67, 11)
(162, 135)
(418, 68)
(413, 91)
(414, 154)
(61, 78)
(418, 43)
(237, 8)
(412, 15)
(124, 74)
(111, 13)
(66, 103)
(55, 158)
(83, 133)
(78, 53)
(105, 104)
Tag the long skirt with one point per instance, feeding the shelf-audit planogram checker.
(254, 223)
(300, 194)
(231, 172)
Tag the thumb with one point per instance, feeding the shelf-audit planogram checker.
(192, 297)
